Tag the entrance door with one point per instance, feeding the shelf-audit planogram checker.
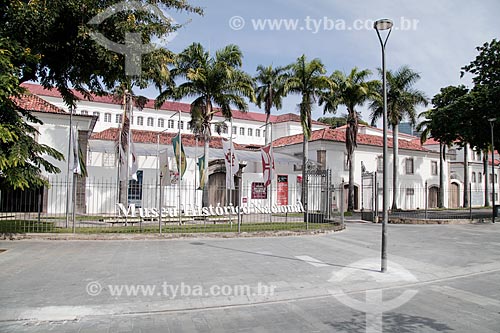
(218, 191)
(346, 197)
(454, 196)
(433, 196)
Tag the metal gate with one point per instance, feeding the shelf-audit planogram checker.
(319, 199)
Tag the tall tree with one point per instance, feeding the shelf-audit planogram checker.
(307, 79)
(22, 158)
(270, 91)
(402, 100)
(50, 42)
(352, 91)
(216, 83)
(445, 122)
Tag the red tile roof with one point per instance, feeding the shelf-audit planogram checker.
(283, 118)
(188, 140)
(34, 103)
(170, 106)
(338, 135)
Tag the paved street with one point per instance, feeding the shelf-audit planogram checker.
(442, 278)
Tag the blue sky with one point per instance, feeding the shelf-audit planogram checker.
(440, 36)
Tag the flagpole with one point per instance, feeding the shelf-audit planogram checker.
(195, 168)
(180, 166)
(129, 111)
(119, 153)
(74, 178)
(69, 163)
(271, 165)
(231, 182)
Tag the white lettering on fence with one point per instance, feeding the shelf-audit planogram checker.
(132, 211)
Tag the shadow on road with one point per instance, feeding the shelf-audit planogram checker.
(280, 257)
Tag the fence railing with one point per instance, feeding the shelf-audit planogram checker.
(107, 206)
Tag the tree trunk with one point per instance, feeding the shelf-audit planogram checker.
(441, 176)
(350, 200)
(395, 166)
(466, 176)
(486, 186)
(305, 154)
(268, 134)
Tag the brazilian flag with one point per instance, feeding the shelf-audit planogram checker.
(201, 171)
(181, 167)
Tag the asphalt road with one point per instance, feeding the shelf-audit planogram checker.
(441, 278)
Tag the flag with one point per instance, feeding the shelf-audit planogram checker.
(124, 150)
(181, 167)
(201, 172)
(267, 164)
(164, 169)
(76, 154)
(232, 163)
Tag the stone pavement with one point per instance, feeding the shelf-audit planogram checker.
(447, 278)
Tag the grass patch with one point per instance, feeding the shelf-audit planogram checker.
(199, 228)
(24, 226)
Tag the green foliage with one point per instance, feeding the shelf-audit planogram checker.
(351, 90)
(212, 81)
(335, 122)
(57, 33)
(50, 42)
(461, 116)
(270, 88)
(402, 97)
(308, 80)
(21, 157)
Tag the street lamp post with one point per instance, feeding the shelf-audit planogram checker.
(379, 25)
(492, 124)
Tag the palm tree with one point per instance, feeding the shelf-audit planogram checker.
(426, 126)
(308, 80)
(402, 100)
(351, 90)
(270, 90)
(212, 81)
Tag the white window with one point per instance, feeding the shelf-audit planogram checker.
(140, 120)
(250, 132)
(161, 123)
(132, 120)
(473, 177)
(107, 117)
(180, 125)
(84, 112)
(118, 119)
(234, 130)
(409, 166)
(95, 113)
(150, 121)
(108, 159)
(380, 163)
(242, 130)
(170, 123)
(479, 177)
(257, 133)
(224, 129)
(434, 168)
(410, 191)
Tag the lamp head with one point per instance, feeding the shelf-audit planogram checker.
(382, 24)
(491, 120)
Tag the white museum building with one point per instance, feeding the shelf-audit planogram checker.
(98, 121)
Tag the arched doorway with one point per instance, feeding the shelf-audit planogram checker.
(217, 190)
(346, 196)
(454, 200)
(433, 197)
